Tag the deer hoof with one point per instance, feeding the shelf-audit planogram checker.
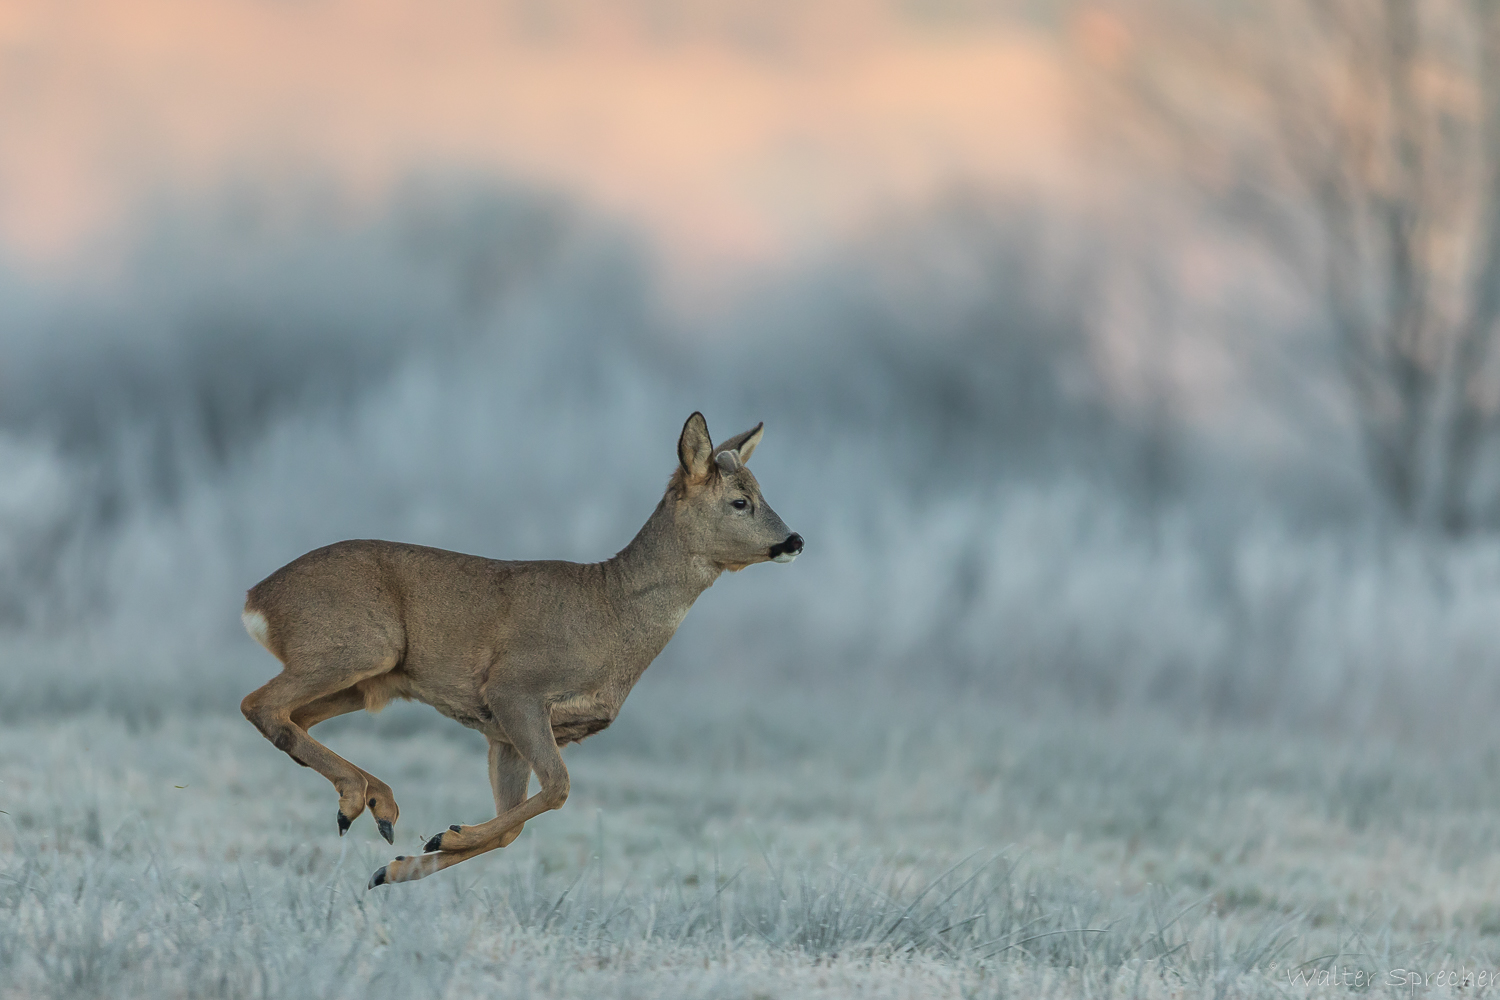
(386, 830)
(436, 843)
(377, 879)
(344, 822)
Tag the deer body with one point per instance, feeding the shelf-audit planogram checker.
(535, 655)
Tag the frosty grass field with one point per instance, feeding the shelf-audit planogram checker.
(796, 849)
(1147, 642)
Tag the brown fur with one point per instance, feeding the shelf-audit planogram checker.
(534, 655)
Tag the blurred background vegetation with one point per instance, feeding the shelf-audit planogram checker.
(1111, 354)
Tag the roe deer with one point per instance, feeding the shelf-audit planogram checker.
(534, 655)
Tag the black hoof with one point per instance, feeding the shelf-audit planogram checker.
(378, 878)
(435, 844)
(344, 822)
(386, 830)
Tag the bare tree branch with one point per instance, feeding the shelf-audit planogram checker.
(1382, 190)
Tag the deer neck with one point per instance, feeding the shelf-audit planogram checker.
(656, 578)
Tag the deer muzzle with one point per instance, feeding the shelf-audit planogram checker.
(788, 550)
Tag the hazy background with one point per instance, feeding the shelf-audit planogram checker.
(1111, 355)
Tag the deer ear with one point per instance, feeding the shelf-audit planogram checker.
(694, 447)
(743, 444)
(727, 461)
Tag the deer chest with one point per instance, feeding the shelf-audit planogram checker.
(576, 717)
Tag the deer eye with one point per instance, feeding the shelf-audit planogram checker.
(740, 503)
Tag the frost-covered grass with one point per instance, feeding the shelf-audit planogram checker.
(784, 850)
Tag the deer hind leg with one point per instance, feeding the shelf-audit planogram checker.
(270, 709)
(530, 731)
(378, 795)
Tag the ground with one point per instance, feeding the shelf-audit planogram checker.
(731, 847)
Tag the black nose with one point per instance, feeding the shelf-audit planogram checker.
(792, 546)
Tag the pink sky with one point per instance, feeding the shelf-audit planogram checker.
(735, 133)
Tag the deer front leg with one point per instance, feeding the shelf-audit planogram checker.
(509, 776)
(532, 748)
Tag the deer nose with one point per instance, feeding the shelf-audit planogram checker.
(788, 550)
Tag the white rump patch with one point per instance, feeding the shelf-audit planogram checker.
(260, 631)
(785, 556)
